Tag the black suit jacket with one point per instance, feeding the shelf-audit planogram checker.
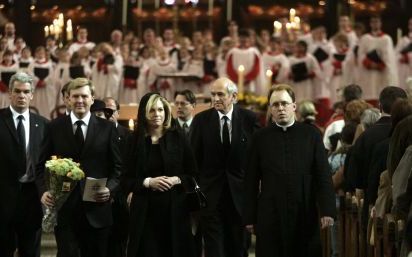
(214, 167)
(176, 125)
(360, 159)
(124, 135)
(11, 162)
(100, 158)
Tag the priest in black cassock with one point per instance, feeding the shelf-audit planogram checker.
(287, 183)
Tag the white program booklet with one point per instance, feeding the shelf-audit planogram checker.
(92, 186)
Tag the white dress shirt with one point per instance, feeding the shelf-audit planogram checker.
(85, 126)
(229, 123)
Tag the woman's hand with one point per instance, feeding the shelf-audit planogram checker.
(161, 184)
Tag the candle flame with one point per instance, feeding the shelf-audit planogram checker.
(131, 124)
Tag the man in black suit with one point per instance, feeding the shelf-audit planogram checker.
(21, 133)
(123, 132)
(83, 226)
(119, 232)
(185, 102)
(220, 138)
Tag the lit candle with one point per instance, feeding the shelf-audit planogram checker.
(240, 80)
(292, 14)
(277, 27)
(297, 22)
(399, 34)
(288, 26)
(46, 31)
(56, 28)
(131, 124)
(269, 75)
(124, 13)
(69, 24)
(69, 30)
(51, 30)
(210, 12)
(229, 10)
(61, 20)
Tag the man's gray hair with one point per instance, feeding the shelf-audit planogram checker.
(21, 77)
(231, 87)
(369, 117)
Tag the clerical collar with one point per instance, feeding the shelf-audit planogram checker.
(285, 127)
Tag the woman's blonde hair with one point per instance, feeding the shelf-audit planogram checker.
(168, 109)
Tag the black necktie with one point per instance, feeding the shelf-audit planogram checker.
(186, 128)
(21, 133)
(225, 135)
(79, 134)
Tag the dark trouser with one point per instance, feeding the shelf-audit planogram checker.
(223, 230)
(24, 231)
(119, 231)
(76, 237)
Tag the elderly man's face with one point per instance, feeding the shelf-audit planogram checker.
(20, 96)
(221, 99)
(282, 107)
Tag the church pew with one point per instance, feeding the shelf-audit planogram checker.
(342, 221)
(393, 232)
(347, 227)
(354, 227)
(377, 231)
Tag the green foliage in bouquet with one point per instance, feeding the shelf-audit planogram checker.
(65, 167)
(64, 175)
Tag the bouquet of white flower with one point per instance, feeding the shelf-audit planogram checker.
(64, 175)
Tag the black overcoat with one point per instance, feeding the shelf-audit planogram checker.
(178, 160)
(287, 182)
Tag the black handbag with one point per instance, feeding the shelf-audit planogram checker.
(196, 200)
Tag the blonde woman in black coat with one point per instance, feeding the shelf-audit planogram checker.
(159, 168)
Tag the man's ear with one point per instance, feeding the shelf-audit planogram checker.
(235, 96)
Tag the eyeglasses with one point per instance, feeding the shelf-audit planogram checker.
(182, 103)
(280, 104)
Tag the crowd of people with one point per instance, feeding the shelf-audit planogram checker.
(277, 180)
(127, 67)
